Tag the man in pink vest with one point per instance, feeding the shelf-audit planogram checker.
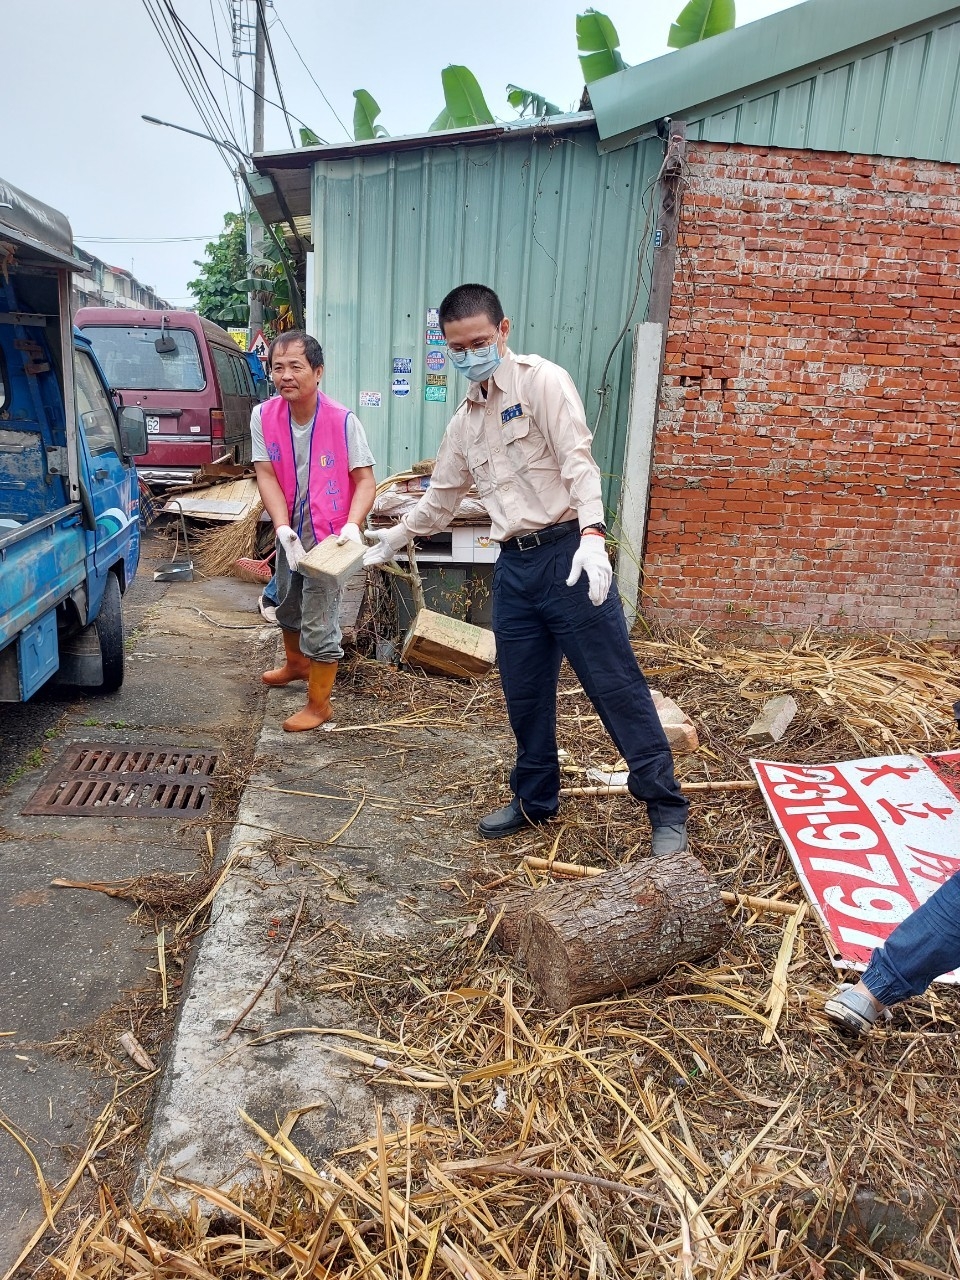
(315, 476)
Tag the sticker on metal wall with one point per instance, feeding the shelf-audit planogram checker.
(400, 387)
(435, 338)
(402, 364)
(436, 394)
(433, 317)
(436, 379)
(436, 360)
(370, 399)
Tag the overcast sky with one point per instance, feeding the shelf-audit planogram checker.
(78, 76)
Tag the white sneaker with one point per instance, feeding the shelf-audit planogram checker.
(268, 611)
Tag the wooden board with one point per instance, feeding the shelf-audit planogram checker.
(448, 647)
(227, 502)
(336, 565)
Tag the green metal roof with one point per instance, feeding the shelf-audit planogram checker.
(874, 77)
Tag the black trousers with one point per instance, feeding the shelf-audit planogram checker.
(538, 620)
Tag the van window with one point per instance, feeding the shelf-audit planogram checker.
(131, 361)
(226, 372)
(94, 408)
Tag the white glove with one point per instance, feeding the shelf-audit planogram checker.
(591, 558)
(292, 546)
(350, 533)
(381, 552)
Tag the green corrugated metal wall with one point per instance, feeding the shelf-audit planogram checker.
(543, 218)
(901, 99)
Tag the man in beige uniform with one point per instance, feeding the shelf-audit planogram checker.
(521, 437)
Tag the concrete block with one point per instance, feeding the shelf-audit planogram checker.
(335, 564)
(774, 718)
(677, 725)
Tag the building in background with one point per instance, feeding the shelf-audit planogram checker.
(95, 284)
(780, 205)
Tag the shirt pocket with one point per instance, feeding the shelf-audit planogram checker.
(478, 460)
(524, 444)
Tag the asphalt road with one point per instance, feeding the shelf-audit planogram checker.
(26, 727)
(77, 968)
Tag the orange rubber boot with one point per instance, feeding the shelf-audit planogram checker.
(296, 667)
(318, 710)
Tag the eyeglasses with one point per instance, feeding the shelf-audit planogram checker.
(481, 345)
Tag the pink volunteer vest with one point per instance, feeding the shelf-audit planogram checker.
(330, 487)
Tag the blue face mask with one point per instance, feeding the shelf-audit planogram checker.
(476, 365)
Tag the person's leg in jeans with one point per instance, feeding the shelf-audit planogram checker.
(528, 658)
(924, 946)
(920, 949)
(595, 642)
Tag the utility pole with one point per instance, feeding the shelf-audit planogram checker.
(255, 230)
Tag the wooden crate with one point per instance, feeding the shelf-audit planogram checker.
(448, 647)
(334, 563)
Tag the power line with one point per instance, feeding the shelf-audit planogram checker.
(183, 71)
(188, 47)
(142, 239)
(262, 20)
(226, 91)
(202, 46)
(311, 75)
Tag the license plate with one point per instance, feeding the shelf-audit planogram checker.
(153, 425)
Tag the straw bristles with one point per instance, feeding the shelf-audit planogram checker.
(219, 549)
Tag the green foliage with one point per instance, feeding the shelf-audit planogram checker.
(700, 20)
(525, 100)
(308, 138)
(464, 103)
(365, 112)
(215, 288)
(599, 46)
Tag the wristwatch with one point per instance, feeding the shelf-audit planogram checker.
(598, 528)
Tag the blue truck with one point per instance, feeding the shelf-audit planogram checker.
(69, 495)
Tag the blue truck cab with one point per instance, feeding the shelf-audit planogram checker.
(69, 495)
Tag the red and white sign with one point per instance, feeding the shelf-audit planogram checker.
(260, 345)
(870, 839)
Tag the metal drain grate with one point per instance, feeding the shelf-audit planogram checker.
(104, 779)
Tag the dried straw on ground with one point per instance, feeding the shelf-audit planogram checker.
(710, 1125)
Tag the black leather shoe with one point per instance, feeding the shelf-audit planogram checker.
(509, 820)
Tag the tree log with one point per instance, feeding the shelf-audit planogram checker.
(514, 906)
(598, 936)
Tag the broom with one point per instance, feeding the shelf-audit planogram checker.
(228, 551)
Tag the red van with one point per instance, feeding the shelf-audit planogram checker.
(189, 377)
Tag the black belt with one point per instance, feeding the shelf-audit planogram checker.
(541, 537)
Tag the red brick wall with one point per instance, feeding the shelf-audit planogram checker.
(807, 462)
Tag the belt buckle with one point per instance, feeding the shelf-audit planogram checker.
(527, 541)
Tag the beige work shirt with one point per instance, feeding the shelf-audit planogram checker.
(526, 447)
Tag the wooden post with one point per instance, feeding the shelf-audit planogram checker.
(648, 374)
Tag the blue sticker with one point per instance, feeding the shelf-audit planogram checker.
(401, 387)
(513, 412)
(402, 365)
(436, 360)
(435, 338)
(435, 394)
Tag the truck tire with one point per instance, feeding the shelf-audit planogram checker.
(109, 626)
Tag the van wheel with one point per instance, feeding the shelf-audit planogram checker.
(109, 627)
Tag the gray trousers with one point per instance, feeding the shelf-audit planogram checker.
(309, 606)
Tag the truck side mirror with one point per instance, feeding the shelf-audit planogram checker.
(133, 432)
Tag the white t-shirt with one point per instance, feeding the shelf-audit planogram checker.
(358, 455)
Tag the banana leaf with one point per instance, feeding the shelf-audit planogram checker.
(365, 112)
(308, 138)
(701, 19)
(525, 100)
(599, 46)
(464, 103)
